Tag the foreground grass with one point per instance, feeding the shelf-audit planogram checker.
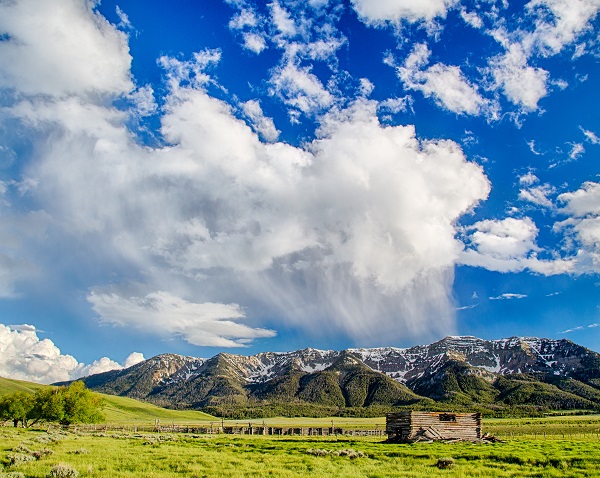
(121, 455)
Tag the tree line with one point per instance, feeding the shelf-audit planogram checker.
(64, 405)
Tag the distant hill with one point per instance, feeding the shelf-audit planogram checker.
(8, 386)
(456, 372)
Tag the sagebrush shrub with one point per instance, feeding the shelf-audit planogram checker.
(39, 454)
(79, 451)
(63, 471)
(350, 453)
(16, 459)
(446, 462)
(21, 448)
(317, 452)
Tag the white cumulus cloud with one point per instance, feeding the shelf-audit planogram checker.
(396, 10)
(509, 245)
(74, 49)
(23, 356)
(560, 22)
(522, 84)
(507, 239)
(584, 202)
(300, 89)
(446, 84)
(262, 124)
(360, 222)
(282, 20)
(254, 42)
(222, 226)
(583, 225)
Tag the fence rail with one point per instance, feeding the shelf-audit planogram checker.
(586, 433)
(248, 429)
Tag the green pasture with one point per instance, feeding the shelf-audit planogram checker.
(572, 426)
(132, 455)
(8, 386)
(123, 410)
(552, 446)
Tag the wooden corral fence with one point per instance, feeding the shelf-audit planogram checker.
(416, 426)
(248, 429)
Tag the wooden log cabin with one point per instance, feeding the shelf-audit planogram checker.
(416, 426)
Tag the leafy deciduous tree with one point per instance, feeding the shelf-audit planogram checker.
(16, 407)
(65, 405)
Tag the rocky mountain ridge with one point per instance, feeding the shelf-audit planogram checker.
(459, 370)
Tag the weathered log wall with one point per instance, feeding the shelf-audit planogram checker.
(413, 425)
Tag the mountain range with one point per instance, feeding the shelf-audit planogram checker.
(518, 373)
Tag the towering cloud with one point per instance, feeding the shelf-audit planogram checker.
(23, 356)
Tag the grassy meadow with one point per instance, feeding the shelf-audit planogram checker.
(553, 446)
(120, 454)
(126, 411)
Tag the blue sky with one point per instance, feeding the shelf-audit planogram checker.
(195, 177)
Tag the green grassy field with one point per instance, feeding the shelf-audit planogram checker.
(553, 446)
(122, 410)
(8, 386)
(553, 426)
(119, 455)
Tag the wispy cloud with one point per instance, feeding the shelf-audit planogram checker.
(580, 327)
(508, 296)
(162, 313)
(577, 150)
(467, 307)
(538, 195)
(533, 147)
(590, 136)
